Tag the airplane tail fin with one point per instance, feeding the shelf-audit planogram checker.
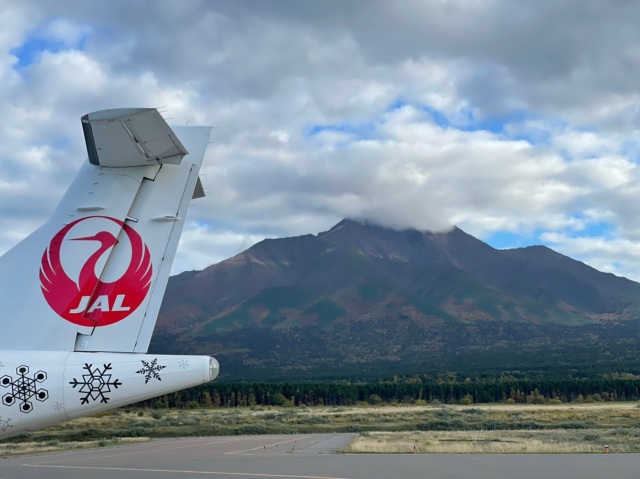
(93, 277)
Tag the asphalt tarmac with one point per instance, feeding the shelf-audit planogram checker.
(301, 457)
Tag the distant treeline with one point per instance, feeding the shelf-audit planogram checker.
(405, 390)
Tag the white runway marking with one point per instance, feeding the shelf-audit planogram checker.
(178, 471)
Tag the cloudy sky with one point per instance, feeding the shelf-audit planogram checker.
(516, 121)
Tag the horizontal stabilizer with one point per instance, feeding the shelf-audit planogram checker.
(126, 137)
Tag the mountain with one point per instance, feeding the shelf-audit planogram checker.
(361, 299)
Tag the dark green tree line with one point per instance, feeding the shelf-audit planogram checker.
(411, 390)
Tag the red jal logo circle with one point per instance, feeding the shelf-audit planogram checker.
(89, 301)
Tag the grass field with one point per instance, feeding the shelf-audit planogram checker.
(560, 441)
(495, 428)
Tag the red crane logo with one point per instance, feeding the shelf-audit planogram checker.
(91, 301)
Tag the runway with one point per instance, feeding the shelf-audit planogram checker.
(311, 456)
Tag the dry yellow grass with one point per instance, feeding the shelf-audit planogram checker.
(490, 442)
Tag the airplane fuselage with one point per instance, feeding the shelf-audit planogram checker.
(41, 388)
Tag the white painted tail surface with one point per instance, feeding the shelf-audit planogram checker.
(93, 277)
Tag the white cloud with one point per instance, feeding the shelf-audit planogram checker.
(488, 115)
(60, 29)
(614, 255)
(199, 246)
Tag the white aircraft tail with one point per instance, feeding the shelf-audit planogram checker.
(93, 277)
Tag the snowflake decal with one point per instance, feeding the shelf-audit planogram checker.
(96, 384)
(58, 407)
(5, 424)
(151, 370)
(183, 364)
(23, 389)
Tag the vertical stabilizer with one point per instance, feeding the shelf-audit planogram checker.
(92, 278)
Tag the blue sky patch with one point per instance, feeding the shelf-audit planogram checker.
(438, 117)
(495, 124)
(508, 240)
(595, 230)
(35, 45)
(396, 105)
(362, 130)
(463, 120)
(631, 150)
(31, 50)
(470, 122)
(534, 136)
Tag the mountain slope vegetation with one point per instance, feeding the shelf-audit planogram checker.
(360, 299)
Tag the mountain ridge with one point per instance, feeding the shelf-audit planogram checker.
(365, 287)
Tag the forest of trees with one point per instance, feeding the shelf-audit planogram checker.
(403, 390)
